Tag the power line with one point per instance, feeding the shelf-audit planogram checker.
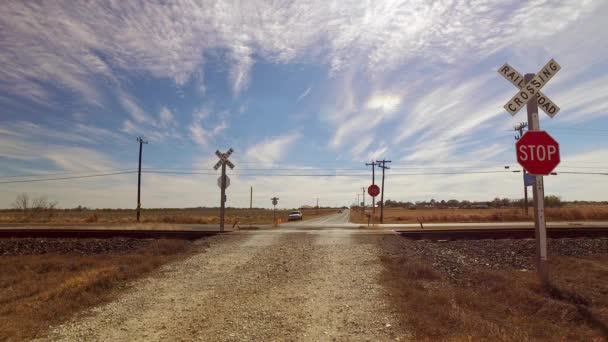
(62, 178)
(67, 173)
(291, 175)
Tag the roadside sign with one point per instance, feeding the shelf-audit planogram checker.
(373, 190)
(275, 201)
(219, 182)
(224, 159)
(531, 89)
(528, 179)
(517, 79)
(223, 162)
(537, 152)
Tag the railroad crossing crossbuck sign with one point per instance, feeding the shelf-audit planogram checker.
(224, 159)
(537, 152)
(530, 89)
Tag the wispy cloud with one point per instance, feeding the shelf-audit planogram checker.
(202, 129)
(304, 94)
(271, 150)
(73, 43)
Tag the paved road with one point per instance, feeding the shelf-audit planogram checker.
(274, 285)
(340, 219)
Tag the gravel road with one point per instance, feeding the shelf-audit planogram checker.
(257, 286)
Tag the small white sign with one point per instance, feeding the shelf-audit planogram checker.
(219, 182)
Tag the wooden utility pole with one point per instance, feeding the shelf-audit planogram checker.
(141, 142)
(382, 164)
(520, 128)
(373, 165)
(251, 198)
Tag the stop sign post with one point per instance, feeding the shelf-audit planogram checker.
(537, 152)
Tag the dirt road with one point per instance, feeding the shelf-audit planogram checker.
(285, 285)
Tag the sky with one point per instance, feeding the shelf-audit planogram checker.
(305, 92)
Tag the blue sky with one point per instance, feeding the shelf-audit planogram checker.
(293, 87)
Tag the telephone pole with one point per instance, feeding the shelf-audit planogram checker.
(520, 128)
(373, 165)
(382, 164)
(141, 142)
(363, 189)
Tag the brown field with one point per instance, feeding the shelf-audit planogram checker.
(459, 302)
(566, 213)
(192, 216)
(45, 282)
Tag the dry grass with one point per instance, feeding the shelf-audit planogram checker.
(501, 305)
(567, 213)
(44, 289)
(192, 216)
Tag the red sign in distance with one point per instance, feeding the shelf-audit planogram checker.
(373, 190)
(537, 152)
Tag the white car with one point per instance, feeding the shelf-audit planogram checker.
(294, 216)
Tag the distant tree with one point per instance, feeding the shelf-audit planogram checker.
(22, 203)
(34, 206)
(453, 203)
(552, 201)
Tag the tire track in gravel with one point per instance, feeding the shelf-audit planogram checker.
(258, 287)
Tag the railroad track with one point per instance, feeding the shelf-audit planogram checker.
(502, 233)
(104, 233)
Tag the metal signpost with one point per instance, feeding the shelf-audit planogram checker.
(223, 181)
(373, 165)
(275, 201)
(529, 94)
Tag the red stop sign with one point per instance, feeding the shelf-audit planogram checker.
(373, 190)
(537, 152)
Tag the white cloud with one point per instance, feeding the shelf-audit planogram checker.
(166, 117)
(202, 133)
(71, 44)
(198, 134)
(271, 150)
(136, 112)
(385, 102)
(219, 128)
(304, 94)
